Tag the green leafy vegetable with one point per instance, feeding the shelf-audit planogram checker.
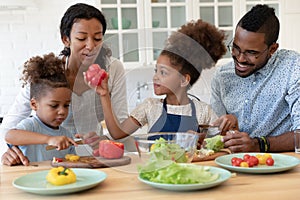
(176, 173)
(164, 167)
(162, 150)
(215, 143)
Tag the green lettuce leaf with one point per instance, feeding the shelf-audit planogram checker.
(215, 143)
(165, 151)
(176, 173)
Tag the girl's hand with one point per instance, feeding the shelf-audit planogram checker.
(61, 142)
(101, 89)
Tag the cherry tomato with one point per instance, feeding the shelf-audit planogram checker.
(254, 160)
(262, 160)
(270, 161)
(238, 161)
(233, 160)
(246, 157)
(244, 164)
(267, 155)
(250, 163)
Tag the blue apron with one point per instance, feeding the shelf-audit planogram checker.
(175, 123)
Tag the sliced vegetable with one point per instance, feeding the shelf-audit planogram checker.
(72, 157)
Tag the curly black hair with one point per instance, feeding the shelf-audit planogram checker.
(197, 45)
(43, 74)
(262, 19)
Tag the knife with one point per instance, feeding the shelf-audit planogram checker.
(50, 147)
(210, 130)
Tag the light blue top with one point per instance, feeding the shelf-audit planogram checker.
(38, 152)
(267, 103)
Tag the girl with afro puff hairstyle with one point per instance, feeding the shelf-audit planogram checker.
(195, 46)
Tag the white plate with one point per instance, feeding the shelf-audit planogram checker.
(281, 163)
(36, 182)
(224, 176)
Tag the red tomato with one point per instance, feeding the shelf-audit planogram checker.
(270, 161)
(110, 149)
(254, 160)
(238, 162)
(250, 163)
(246, 157)
(233, 160)
(94, 75)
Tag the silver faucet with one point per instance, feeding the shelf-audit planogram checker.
(138, 91)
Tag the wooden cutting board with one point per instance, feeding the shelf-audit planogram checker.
(93, 162)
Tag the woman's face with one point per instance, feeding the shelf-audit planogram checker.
(85, 42)
(167, 79)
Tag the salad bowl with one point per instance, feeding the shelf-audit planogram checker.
(179, 147)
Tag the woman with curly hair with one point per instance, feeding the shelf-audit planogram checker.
(50, 97)
(195, 46)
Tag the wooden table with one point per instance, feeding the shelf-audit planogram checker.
(122, 183)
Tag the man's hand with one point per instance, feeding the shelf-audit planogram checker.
(226, 123)
(14, 156)
(237, 141)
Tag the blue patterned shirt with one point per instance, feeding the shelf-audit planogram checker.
(267, 103)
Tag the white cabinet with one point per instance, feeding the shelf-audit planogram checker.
(137, 29)
(142, 27)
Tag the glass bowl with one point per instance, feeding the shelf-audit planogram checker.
(179, 147)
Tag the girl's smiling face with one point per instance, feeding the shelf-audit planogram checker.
(85, 42)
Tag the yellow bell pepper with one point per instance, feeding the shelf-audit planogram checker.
(72, 157)
(61, 176)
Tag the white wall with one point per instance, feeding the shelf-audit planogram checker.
(25, 34)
